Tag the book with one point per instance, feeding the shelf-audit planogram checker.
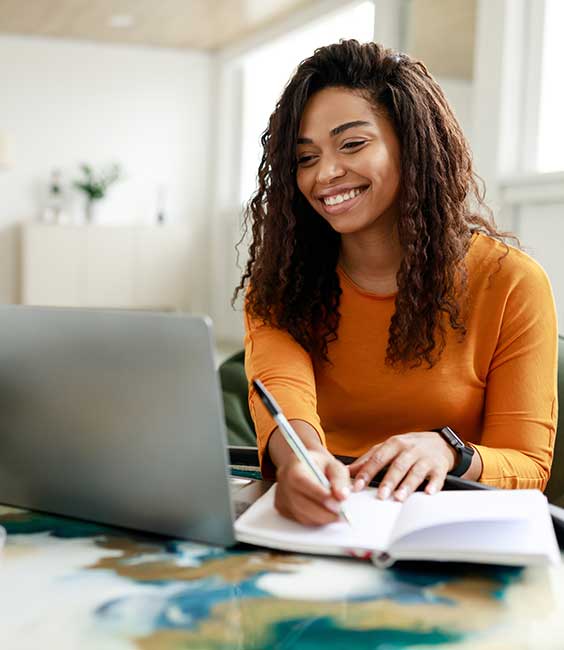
(510, 527)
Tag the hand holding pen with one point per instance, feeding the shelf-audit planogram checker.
(312, 484)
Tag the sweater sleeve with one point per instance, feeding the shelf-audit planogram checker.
(286, 369)
(521, 406)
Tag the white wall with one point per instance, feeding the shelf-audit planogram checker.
(66, 102)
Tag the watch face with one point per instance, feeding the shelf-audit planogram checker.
(451, 437)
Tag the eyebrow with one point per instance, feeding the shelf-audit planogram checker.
(337, 130)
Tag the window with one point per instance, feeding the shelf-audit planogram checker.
(550, 148)
(267, 69)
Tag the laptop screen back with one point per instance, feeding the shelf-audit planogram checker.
(114, 416)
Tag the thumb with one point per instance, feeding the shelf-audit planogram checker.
(338, 475)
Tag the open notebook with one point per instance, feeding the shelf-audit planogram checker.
(499, 527)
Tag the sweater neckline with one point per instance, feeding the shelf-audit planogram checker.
(382, 296)
(364, 292)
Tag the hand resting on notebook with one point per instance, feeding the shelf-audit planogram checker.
(411, 458)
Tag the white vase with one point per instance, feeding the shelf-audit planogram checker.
(91, 208)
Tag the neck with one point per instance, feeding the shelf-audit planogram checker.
(372, 259)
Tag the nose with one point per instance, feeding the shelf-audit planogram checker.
(329, 168)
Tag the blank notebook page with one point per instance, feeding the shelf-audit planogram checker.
(424, 511)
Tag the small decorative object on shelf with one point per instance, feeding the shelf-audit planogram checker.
(161, 201)
(95, 186)
(54, 209)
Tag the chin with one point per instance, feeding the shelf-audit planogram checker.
(346, 226)
(344, 229)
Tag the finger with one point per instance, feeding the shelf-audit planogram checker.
(304, 510)
(416, 475)
(304, 482)
(356, 465)
(379, 458)
(398, 469)
(436, 481)
(338, 475)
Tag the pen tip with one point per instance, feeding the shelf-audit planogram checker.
(345, 515)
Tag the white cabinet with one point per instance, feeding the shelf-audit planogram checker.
(103, 266)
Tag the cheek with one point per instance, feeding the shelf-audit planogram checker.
(300, 180)
(395, 178)
(387, 171)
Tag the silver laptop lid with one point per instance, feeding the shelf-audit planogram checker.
(114, 416)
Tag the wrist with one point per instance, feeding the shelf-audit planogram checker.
(281, 453)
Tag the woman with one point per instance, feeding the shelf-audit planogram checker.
(380, 306)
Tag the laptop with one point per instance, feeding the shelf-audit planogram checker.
(115, 417)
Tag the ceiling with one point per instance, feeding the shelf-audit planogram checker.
(439, 32)
(201, 24)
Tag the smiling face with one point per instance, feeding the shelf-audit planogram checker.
(348, 162)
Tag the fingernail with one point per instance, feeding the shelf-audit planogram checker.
(384, 492)
(430, 489)
(359, 485)
(345, 491)
(400, 494)
(332, 505)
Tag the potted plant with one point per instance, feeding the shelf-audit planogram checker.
(95, 185)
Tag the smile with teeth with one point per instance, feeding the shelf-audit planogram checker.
(341, 198)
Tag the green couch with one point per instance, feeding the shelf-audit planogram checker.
(555, 488)
(241, 433)
(240, 427)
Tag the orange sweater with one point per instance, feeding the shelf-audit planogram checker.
(496, 388)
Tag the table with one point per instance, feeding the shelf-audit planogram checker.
(67, 584)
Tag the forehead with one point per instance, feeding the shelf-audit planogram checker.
(331, 107)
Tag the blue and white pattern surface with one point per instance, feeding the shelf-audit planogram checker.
(67, 584)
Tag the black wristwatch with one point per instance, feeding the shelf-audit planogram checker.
(465, 452)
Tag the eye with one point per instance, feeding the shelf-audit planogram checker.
(354, 144)
(304, 160)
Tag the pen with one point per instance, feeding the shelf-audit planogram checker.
(294, 440)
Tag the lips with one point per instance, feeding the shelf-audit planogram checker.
(339, 190)
(344, 200)
(335, 199)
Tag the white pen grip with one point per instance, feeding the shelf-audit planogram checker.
(298, 447)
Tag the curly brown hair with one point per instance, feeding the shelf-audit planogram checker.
(291, 273)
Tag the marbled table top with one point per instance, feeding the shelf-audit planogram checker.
(68, 584)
